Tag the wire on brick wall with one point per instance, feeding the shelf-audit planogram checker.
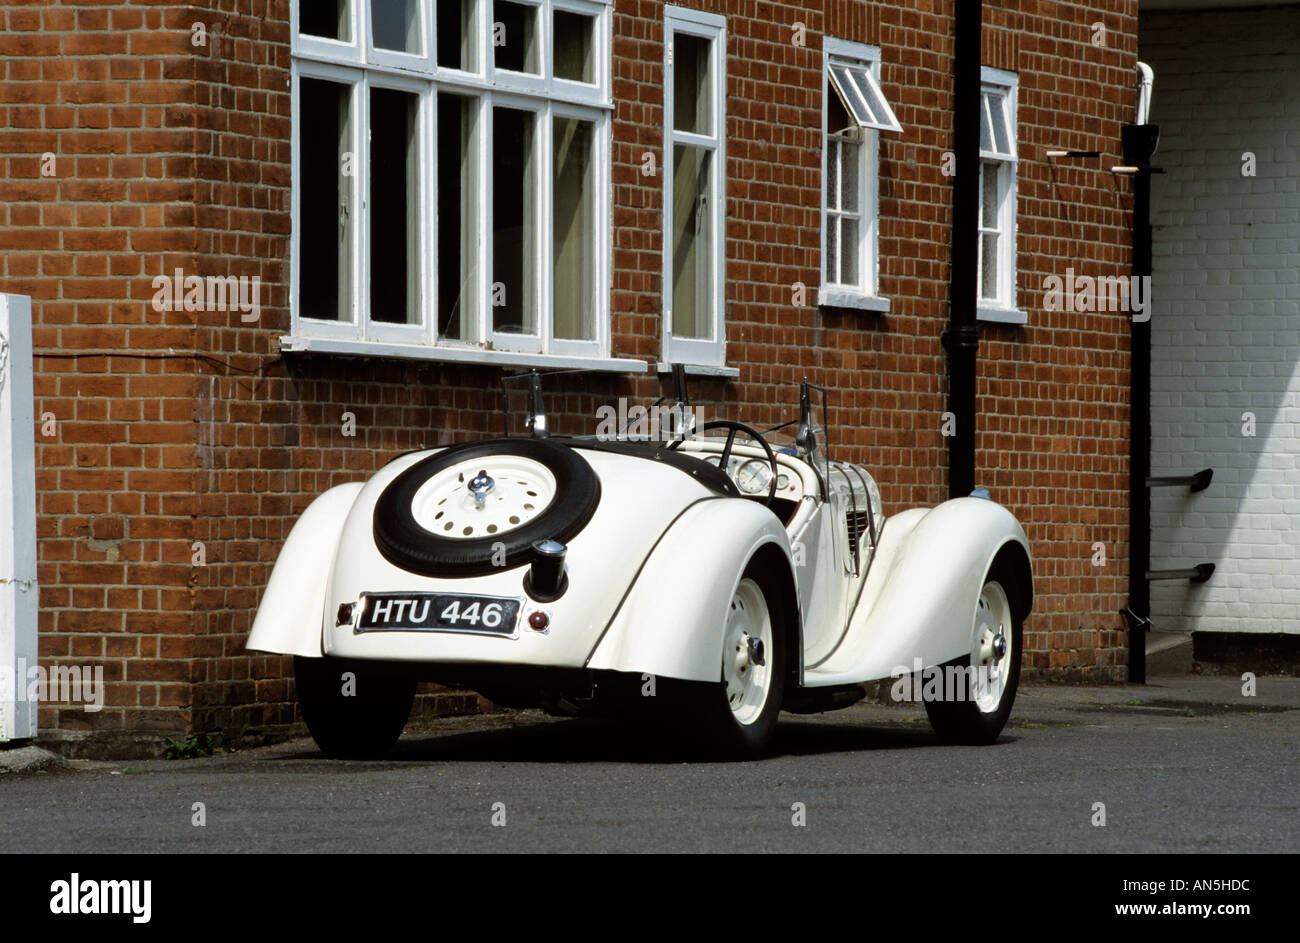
(171, 355)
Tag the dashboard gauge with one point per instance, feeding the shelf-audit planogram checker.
(782, 482)
(714, 460)
(754, 477)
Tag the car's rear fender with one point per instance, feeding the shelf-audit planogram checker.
(670, 623)
(289, 617)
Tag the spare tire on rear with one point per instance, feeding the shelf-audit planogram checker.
(430, 521)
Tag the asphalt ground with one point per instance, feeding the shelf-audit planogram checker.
(1185, 764)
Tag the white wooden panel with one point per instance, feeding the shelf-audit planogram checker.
(18, 590)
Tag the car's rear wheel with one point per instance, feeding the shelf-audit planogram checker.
(736, 716)
(353, 709)
(977, 697)
(746, 649)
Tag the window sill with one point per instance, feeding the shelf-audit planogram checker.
(1001, 315)
(827, 298)
(702, 370)
(298, 344)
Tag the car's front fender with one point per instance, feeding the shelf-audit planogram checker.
(289, 617)
(918, 604)
(671, 621)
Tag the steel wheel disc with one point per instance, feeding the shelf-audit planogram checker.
(747, 681)
(992, 655)
(514, 490)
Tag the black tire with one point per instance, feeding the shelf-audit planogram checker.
(957, 718)
(404, 542)
(363, 723)
(704, 713)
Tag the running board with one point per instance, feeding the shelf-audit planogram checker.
(820, 700)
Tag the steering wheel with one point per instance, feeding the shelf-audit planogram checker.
(734, 429)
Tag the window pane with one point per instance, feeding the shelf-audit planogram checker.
(328, 18)
(989, 266)
(396, 25)
(833, 174)
(514, 222)
(998, 111)
(455, 35)
(573, 43)
(692, 243)
(865, 84)
(514, 37)
(986, 124)
(325, 201)
(850, 170)
(394, 199)
(456, 218)
(989, 195)
(850, 251)
(853, 97)
(574, 229)
(833, 250)
(692, 84)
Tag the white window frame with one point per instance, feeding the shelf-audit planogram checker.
(421, 60)
(523, 81)
(1005, 86)
(531, 343)
(702, 352)
(321, 49)
(601, 221)
(572, 88)
(358, 64)
(379, 330)
(864, 297)
(349, 327)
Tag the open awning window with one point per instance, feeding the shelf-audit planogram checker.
(858, 89)
(995, 130)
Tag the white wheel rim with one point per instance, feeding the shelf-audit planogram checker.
(992, 623)
(747, 682)
(519, 489)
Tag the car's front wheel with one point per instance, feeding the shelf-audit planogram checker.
(353, 709)
(979, 690)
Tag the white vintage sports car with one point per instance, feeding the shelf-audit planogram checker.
(712, 579)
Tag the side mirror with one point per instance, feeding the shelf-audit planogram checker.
(537, 409)
(806, 438)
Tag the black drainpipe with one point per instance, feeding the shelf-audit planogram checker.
(962, 337)
(1139, 144)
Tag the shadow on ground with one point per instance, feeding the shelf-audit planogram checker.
(571, 741)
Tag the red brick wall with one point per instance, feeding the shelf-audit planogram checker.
(106, 89)
(1052, 442)
(171, 155)
(1054, 438)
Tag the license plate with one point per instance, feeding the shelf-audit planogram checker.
(438, 612)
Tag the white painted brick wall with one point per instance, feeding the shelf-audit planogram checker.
(1226, 315)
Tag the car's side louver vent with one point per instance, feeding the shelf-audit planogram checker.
(857, 521)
